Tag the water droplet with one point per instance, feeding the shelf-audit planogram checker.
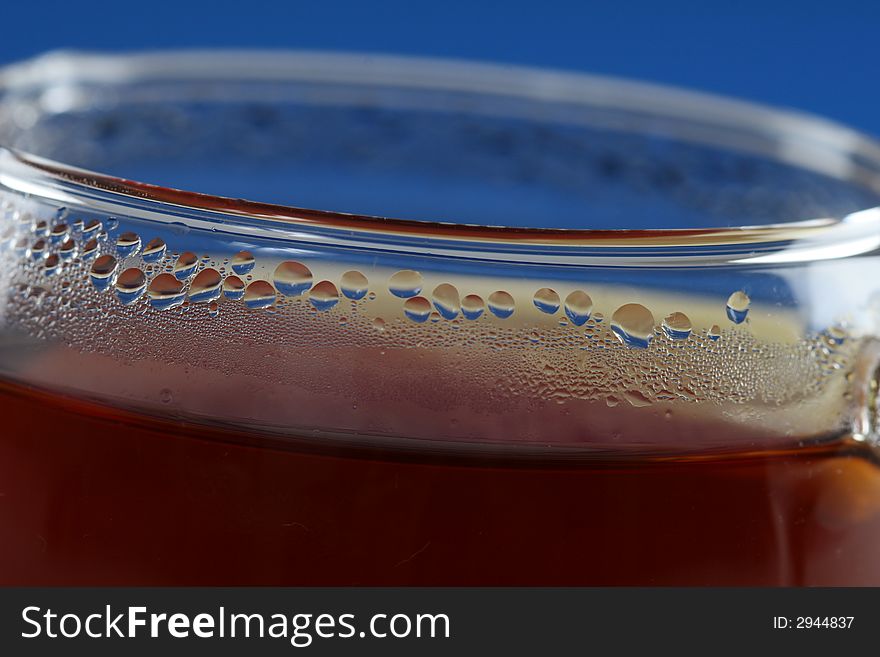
(714, 332)
(90, 249)
(243, 262)
(154, 251)
(213, 309)
(102, 272)
(59, 233)
(633, 324)
(837, 333)
(38, 249)
(90, 226)
(37, 294)
(446, 300)
(205, 286)
(292, 278)
(324, 295)
(738, 307)
(636, 398)
(472, 306)
(41, 229)
(186, 265)
(546, 300)
(418, 309)
(130, 285)
(259, 294)
(501, 304)
(50, 266)
(405, 283)
(578, 307)
(68, 249)
(371, 296)
(233, 288)
(112, 223)
(166, 292)
(598, 318)
(379, 324)
(127, 245)
(677, 326)
(354, 285)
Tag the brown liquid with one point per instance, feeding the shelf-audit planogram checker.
(93, 495)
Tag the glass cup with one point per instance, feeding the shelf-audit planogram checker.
(615, 334)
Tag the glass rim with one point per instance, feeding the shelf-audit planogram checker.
(803, 140)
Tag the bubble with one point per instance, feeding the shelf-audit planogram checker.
(130, 285)
(41, 229)
(154, 251)
(90, 249)
(259, 294)
(446, 300)
(677, 326)
(186, 265)
(324, 295)
(292, 278)
(405, 283)
(233, 288)
(102, 272)
(59, 233)
(165, 292)
(714, 332)
(501, 304)
(578, 307)
(112, 223)
(379, 324)
(418, 309)
(633, 324)
(50, 265)
(354, 285)
(472, 306)
(598, 317)
(67, 250)
(738, 307)
(90, 226)
(546, 300)
(243, 262)
(205, 286)
(213, 309)
(128, 244)
(38, 249)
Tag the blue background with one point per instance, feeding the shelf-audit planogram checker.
(822, 57)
